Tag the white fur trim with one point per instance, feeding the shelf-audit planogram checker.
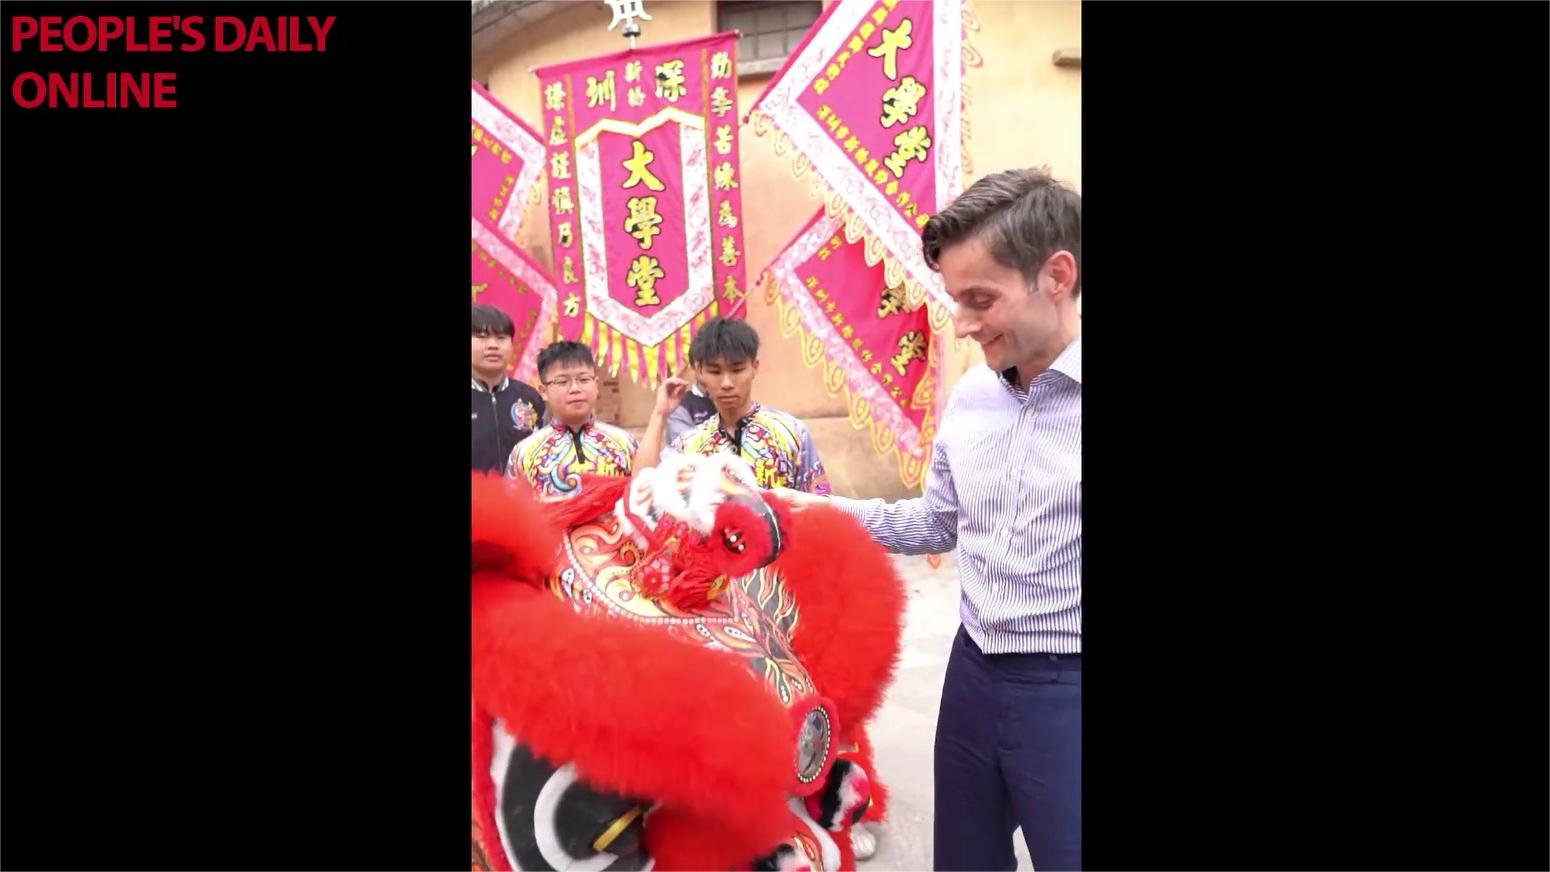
(655, 490)
(850, 797)
(826, 845)
(543, 811)
(548, 841)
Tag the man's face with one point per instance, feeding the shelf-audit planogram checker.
(493, 353)
(570, 392)
(1013, 322)
(729, 384)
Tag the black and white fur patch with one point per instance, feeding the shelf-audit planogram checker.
(548, 820)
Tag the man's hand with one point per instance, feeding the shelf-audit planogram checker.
(799, 500)
(669, 394)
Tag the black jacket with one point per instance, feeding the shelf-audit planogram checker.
(501, 420)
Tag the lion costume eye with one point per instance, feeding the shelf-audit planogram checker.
(734, 540)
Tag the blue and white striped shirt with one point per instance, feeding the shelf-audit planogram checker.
(1005, 488)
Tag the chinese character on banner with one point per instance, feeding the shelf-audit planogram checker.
(505, 277)
(886, 358)
(872, 100)
(648, 142)
(508, 156)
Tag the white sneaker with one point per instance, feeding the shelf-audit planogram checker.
(863, 841)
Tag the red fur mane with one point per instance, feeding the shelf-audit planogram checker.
(645, 715)
(511, 534)
(851, 602)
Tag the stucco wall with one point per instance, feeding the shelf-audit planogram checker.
(1023, 111)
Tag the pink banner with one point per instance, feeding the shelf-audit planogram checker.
(872, 99)
(507, 158)
(505, 277)
(854, 324)
(645, 199)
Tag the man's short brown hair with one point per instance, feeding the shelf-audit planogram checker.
(1024, 216)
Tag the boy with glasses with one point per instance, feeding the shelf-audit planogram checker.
(573, 442)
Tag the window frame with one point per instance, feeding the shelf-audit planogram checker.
(748, 63)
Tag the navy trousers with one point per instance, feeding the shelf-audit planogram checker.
(1009, 754)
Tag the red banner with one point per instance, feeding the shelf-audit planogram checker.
(849, 320)
(645, 207)
(872, 100)
(505, 277)
(507, 160)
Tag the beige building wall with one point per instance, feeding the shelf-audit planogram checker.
(1024, 111)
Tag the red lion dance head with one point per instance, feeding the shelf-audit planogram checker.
(674, 672)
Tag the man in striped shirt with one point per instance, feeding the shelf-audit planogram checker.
(1005, 491)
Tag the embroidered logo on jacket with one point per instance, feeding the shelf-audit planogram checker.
(524, 415)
